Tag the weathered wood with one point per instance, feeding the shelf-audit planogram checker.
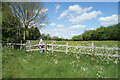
(35, 45)
(97, 54)
(66, 47)
(52, 46)
(59, 45)
(29, 45)
(21, 45)
(49, 44)
(93, 47)
(59, 50)
(93, 50)
(45, 47)
(34, 49)
(24, 47)
(49, 49)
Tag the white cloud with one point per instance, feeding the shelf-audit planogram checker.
(74, 34)
(57, 8)
(109, 20)
(56, 34)
(77, 26)
(85, 16)
(76, 8)
(64, 13)
(60, 25)
(52, 24)
(63, 32)
(91, 28)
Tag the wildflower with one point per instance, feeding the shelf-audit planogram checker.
(115, 62)
(56, 61)
(84, 69)
(77, 57)
(25, 61)
(74, 70)
(73, 61)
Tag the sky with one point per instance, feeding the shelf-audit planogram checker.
(68, 19)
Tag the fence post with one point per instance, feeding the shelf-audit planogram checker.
(12, 46)
(93, 48)
(104, 50)
(45, 46)
(52, 46)
(21, 45)
(66, 47)
(29, 45)
(25, 47)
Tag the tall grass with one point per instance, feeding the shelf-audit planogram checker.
(19, 64)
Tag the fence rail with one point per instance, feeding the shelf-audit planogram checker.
(68, 46)
(78, 46)
(29, 46)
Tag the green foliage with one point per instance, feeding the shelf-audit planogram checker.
(29, 13)
(34, 33)
(76, 38)
(12, 30)
(10, 24)
(48, 37)
(102, 33)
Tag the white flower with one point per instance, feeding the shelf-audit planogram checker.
(115, 62)
(73, 61)
(25, 61)
(77, 57)
(84, 69)
(56, 61)
(74, 70)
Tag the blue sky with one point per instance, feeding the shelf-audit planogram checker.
(67, 19)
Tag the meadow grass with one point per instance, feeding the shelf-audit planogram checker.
(113, 44)
(21, 64)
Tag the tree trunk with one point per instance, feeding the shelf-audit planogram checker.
(24, 35)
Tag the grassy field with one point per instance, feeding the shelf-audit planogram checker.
(113, 44)
(19, 64)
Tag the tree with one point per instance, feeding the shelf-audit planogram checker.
(10, 24)
(77, 38)
(87, 35)
(33, 33)
(29, 13)
(36, 33)
(101, 33)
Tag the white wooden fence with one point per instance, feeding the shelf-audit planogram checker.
(68, 46)
(29, 46)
